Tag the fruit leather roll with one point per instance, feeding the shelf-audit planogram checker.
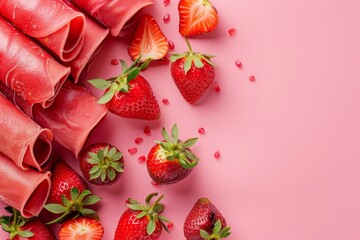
(24, 190)
(94, 36)
(28, 70)
(72, 116)
(113, 13)
(55, 25)
(23, 140)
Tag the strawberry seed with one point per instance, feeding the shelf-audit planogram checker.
(201, 131)
(238, 63)
(217, 154)
(252, 78)
(166, 18)
(171, 44)
(170, 225)
(139, 140)
(232, 31)
(217, 88)
(166, 2)
(141, 159)
(147, 131)
(132, 151)
(165, 101)
(114, 62)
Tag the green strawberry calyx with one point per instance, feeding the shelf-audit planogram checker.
(12, 224)
(76, 205)
(151, 211)
(218, 232)
(176, 149)
(192, 57)
(119, 83)
(106, 163)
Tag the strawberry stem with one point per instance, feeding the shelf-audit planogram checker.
(189, 46)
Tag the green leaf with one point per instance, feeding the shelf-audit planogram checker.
(25, 233)
(225, 232)
(163, 218)
(103, 176)
(159, 208)
(217, 226)
(190, 142)
(83, 195)
(87, 212)
(190, 155)
(95, 175)
(136, 207)
(101, 153)
(198, 63)
(94, 169)
(175, 133)
(64, 200)
(145, 64)
(117, 166)
(111, 173)
(107, 97)
(100, 83)
(149, 197)
(111, 152)
(141, 215)
(55, 208)
(74, 193)
(204, 234)
(187, 65)
(166, 135)
(91, 200)
(176, 57)
(124, 66)
(167, 146)
(151, 226)
(117, 156)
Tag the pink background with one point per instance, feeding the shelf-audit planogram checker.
(289, 142)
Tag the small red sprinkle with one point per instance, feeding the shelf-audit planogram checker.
(139, 140)
(217, 154)
(154, 183)
(252, 78)
(201, 131)
(166, 2)
(170, 225)
(166, 18)
(165, 101)
(141, 159)
(232, 31)
(114, 62)
(132, 151)
(238, 63)
(217, 88)
(171, 44)
(147, 131)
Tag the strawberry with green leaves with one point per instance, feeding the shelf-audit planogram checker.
(142, 221)
(193, 73)
(148, 42)
(84, 228)
(171, 160)
(19, 227)
(101, 163)
(205, 221)
(197, 17)
(129, 95)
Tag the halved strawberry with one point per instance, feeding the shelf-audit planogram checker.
(81, 228)
(148, 41)
(196, 17)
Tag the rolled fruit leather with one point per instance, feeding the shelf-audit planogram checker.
(52, 23)
(24, 190)
(21, 139)
(113, 14)
(28, 74)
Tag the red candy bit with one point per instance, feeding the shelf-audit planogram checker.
(154, 183)
(232, 31)
(217, 154)
(114, 62)
(147, 131)
(166, 18)
(170, 225)
(132, 151)
(165, 101)
(166, 2)
(141, 159)
(171, 44)
(201, 131)
(238, 63)
(252, 78)
(217, 88)
(139, 140)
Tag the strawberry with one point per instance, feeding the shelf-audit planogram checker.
(148, 41)
(205, 222)
(101, 163)
(171, 160)
(25, 228)
(193, 73)
(129, 95)
(68, 194)
(140, 221)
(196, 17)
(84, 228)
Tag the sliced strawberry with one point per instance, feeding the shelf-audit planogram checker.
(148, 41)
(81, 228)
(196, 17)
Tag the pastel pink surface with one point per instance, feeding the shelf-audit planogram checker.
(289, 141)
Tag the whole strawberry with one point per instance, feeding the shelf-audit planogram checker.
(129, 95)
(204, 221)
(81, 228)
(141, 222)
(101, 163)
(19, 227)
(193, 73)
(171, 160)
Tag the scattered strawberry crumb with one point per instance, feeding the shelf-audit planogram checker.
(166, 2)
(139, 140)
(217, 154)
(252, 78)
(141, 159)
(217, 88)
(238, 63)
(154, 183)
(232, 31)
(114, 62)
(201, 131)
(166, 18)
(165, 101)
(133, 150)
(171, 44)
(147, 131)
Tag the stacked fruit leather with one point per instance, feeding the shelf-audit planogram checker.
(45, 48)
